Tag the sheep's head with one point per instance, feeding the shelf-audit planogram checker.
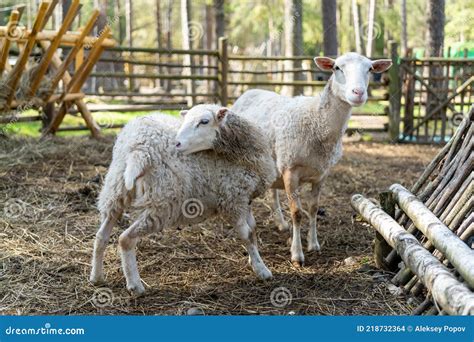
(351, 75)
(200, 128)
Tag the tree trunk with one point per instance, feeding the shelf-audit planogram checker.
(187, 45)
(370, 31)
(220, 19)
(434, 48)
(66, 5)
(436, 20)
(293, 42)
(209, 39)
(169, 43)
(453, 296)
(329, 9)
(159, 36)
(129, 38)
(356, 16)
(404, 29)
(102, 21)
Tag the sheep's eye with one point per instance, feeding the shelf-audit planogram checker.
(371, 69)
(204, 122)
(336, 68)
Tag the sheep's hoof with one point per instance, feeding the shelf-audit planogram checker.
(283, 226)
(136, 289)
(297, 264)
(264, 274)
(97, 279)
(314, 247)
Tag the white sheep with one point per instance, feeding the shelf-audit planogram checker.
(306, 134)
(220, 163)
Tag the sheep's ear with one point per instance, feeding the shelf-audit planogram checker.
(381, 65)
(183, 113)
(324, 63)
(221, 114)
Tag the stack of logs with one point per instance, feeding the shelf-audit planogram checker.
(432, 229)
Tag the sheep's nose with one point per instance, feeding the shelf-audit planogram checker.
(358, 91)
(178, 144)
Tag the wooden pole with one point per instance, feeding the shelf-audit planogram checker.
(46, 59)
(455, 250)
(62, 66)
(17, 71)
(453, 296)
(12, 24)
(394, 92)
(223, 70)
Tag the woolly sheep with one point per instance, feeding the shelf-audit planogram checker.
(305, 134)
(213, 165)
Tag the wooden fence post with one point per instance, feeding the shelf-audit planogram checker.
(223, 70)
(395, 94)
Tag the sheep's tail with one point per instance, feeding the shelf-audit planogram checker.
(136, 164)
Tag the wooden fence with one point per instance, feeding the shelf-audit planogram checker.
(435, 94)
(139, 79)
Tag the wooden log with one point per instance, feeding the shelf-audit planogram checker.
(466, 190)
(455, 250)
(467, 222)
(453, 296)
(86, 114)
(63, 66)
(46, 59)
(69, 39)
(14, 76)
(49, 13)
(12, 22)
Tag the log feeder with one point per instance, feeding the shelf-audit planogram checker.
(453, 296)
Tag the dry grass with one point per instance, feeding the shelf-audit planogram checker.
(48, 221)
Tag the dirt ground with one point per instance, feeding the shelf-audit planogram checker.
(48, 221)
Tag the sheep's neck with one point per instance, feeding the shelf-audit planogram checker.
(238, 144)
(333, 113)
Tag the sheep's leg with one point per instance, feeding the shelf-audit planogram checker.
(101, 239)
(128, 241)
(246, 228)
(313, 243)
(291, 181)
(277, 212)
